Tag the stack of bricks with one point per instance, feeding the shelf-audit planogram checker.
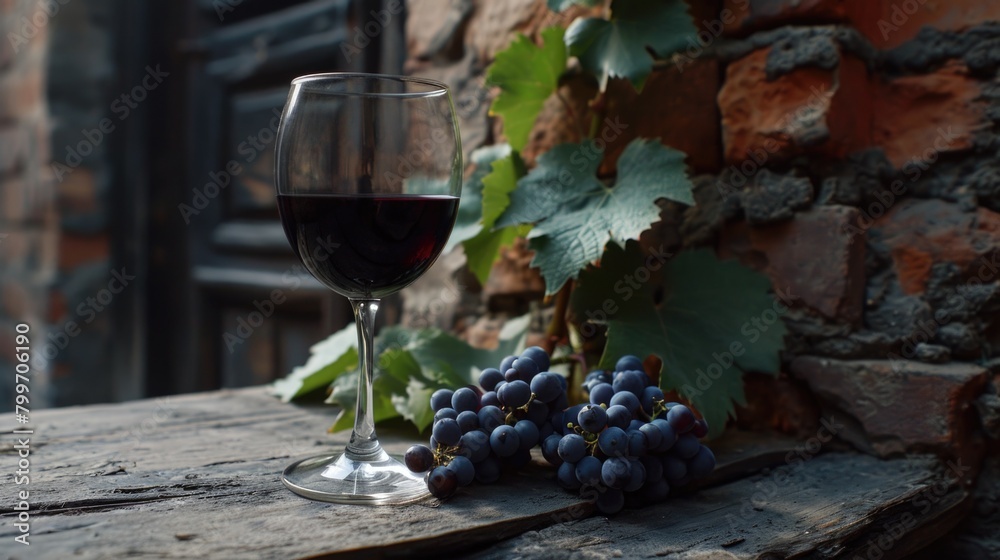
(28, 221)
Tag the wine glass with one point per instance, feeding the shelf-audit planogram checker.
(369, 173)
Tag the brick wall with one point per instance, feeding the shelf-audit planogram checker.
(846, 148)
(56, 67)
(28, 220)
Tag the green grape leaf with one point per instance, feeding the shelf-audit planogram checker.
(577, 215)
(329, 359)
(703, 329)
(469, 222)
(560, 5)
(483, 250)
(618, 47)
(526, 75)
(412, 364)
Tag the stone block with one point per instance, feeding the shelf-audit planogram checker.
(901, 405)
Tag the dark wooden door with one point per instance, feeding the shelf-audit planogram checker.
(228, 304)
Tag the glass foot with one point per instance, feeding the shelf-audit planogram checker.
(339, 479)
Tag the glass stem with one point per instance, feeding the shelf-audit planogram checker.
(364, 444)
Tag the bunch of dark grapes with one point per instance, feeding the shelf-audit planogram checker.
(479, 430)
(627, 446)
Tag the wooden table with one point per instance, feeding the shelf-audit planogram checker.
(198, 476)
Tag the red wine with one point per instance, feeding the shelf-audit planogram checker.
(367, 245)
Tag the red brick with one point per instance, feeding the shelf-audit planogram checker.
(778, 403)
(890, 23)
(784, 117)
(753, 15)
(920, 233)
(919, 117)
(834, 285)
(901, 405)
(512, 275)
(672, 108)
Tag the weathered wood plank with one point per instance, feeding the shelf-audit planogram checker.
(837, 505)
(198, 475)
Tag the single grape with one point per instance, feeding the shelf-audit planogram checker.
(515, 394)
(572, 448)
(527, 434)
(489, 378)
(593, 419)
(538, 355)
(526, 368)
(626, 399)
(619, 417)
(442, 482)
(601, 394)
(588, 471)
(650, 396)
(441, 399)
(563, 384)
(488, 470)
(635, 424)
(674, 468)
(550, 450)
(566, 476)
(589, 386)
(504, 441)
(637, 476)
(506, 363)
(465, 399)
(447, 432)
(490, 417)
(637, 444)
(632, 381)
(610, 501)
(702, 463)
(468, 421)
(616, 473)
(687, 446)
(511, 375)
(445, 413)
(490, 399)
(654, 437)
(613, 442)
(419, 458)
(464, 470)
(628, 363)
(700, 428)
(546, 387)
(669, 436)
(681, 418)
(475, 446)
